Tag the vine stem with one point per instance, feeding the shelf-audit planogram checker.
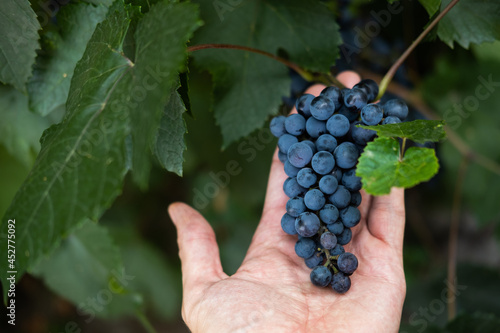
(390, 73)
(327, 79)
(452, 246)
(145, 322)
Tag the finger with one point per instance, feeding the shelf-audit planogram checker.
(348, 78)
(386, 218)
(198, 248)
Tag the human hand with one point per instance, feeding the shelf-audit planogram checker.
(271, 291)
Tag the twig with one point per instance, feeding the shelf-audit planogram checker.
(390, 73)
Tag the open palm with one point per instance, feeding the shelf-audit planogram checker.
(271, 291)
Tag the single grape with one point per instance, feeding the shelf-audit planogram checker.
(290, 170)
(314, 199)
(332, 93)
(306, 177)
(350, 216)
(329, 214)
(341, 283)
(307, 224)
(346, 155)
(285, 142)
(396, 108)
(347, 263)
(355, 198)
(288, 224)
(351, 181)
(370, 88)
(295, 206)
(292, 188)
(323, 162)
(328, 184)
(336, 228)
(277, 126)
(295, 124)
(300, 154)
(321, 276)
(338, 125)
(350, 114)
(344, 237)
(311, 144)
(305, 247)
(337, 173)
(341, 198)
(371, 114)
(338, 249)
(315, 260)
(315, 127)
(303, 104)
(282, 157)
(322, 108)
(355, 98)
(391, 120)
(328, 240)
(326, 142)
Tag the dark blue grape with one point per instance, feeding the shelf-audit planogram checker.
(355, 98)
(341, 198)
(328, 240)
(337, 173)
(307, 224)
(282, 157)
(360, 135)
(336, 228)
(351, 181)
(295, 206)
(355, 198)
(295, 124)
(391, 120)
(315, 260)
(396, 108)
(329, 214)
(338, 125)
(371, 114)
(314, 199)
(347, 263)
(351, 115)
(332, 93)
(288, 224)
(315, 127)
(322, 108)
(346, 155)
(303, 104)
(344, 237)
(338, 249)
(326, 142)
(328, 184)
(277, 126)
(350, 216)
(311, 144)
(370, 88)
(292, 188)
(321, 276)
(323, 162)
(285, 142)
(305, 247)
(341, 283)
(306, 177)
(290, 170)
(300, 154)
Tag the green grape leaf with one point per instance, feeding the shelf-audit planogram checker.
(97, 273)
(49, 86)
(20, 128)
(169, 144)
(106, 3)
(431, 6)
(80, 168)
(380, 167)
(161, 54)
(18, 42)
(470, 22)
(248, 86)
(417, 130)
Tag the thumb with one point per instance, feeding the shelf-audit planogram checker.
(198, 248)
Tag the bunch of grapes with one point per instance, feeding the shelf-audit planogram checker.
(320, 146)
